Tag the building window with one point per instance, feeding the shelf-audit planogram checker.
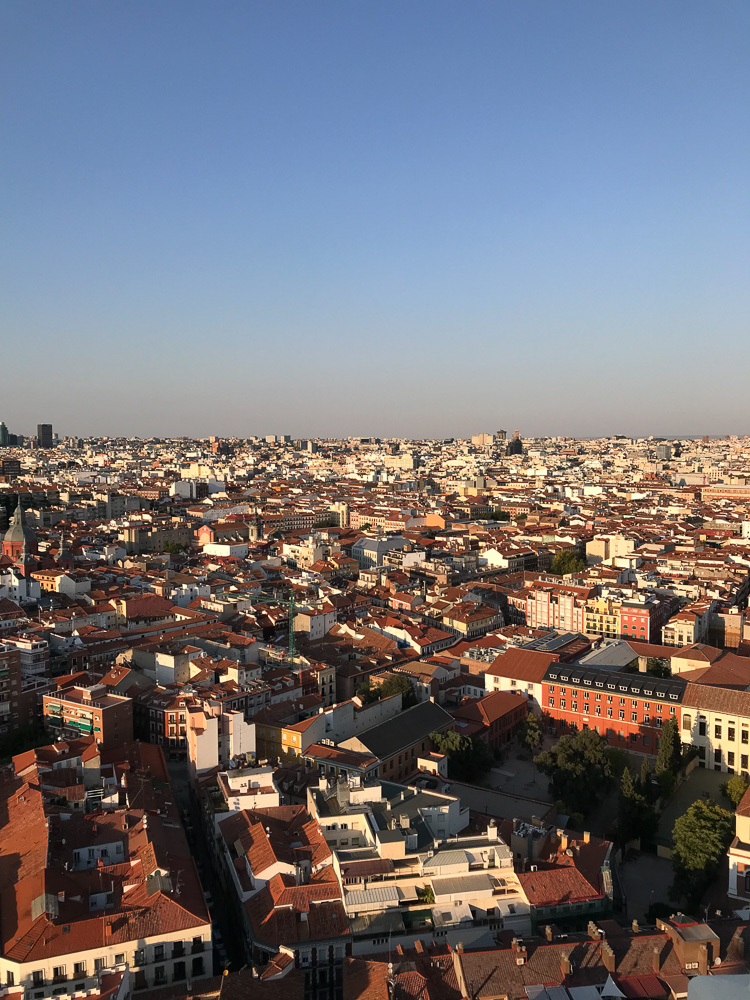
(717, 756)
(744, 736)
(119, 959)
(98, 964)
(687, 722)
(160, 975)
(730, 734)
(717, 732)
(79, 969)
(730, 759)
(159, 953)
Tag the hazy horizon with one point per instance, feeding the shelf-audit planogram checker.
(375, 220)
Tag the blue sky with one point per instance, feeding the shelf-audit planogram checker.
(392, 217)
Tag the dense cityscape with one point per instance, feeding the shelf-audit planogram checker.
(462, 718)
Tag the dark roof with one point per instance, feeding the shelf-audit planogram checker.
(405, 729)
(644, 685)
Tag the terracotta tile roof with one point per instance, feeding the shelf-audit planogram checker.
(556, 885)
(522, 664)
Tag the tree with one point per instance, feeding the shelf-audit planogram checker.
(635, 816)
(499, 515)
(567, 561)
(579, 769)
(425, 894)
(669, 756)
(174, 547)
(645, 779)
(396, 684)
(399, 684)
(700, 839)
(734, 789)
(658, 667)
(468, 756)
(530, 732)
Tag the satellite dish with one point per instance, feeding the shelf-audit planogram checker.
(717, 960)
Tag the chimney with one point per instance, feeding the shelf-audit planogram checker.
(635, 927)
(587, 836)
(593, 931)
(608, 957)
(492, 830)
(563, 839)
(565, 966)
(418, 946)
(520, 949)
(656, 958)
(703, 960)
(548, 932)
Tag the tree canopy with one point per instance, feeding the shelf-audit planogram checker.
(395, 684)
(468, 757)
(580, 770)
(735, 788)
(567, 561)
(658, 667)
(700, 838)
(530, 732)
(635, 816)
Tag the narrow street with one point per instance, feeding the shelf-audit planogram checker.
(228, 946)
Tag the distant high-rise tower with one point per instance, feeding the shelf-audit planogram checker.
(4, 435)
(500, 435)
(516, 445)
(44, 435)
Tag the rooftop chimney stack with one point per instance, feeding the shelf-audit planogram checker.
(608, 957)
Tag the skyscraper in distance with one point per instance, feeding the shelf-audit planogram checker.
(44, 435)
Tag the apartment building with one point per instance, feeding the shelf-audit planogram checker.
(398, 742)
(638, 618)
(628, 709)
(520, 671)
(471, 619)
(493, 718)
(215, 736)
(716, 720)
(77, 710)
(408, 871)
(277, 874)
(558, 606)
(691, 624)
(86, 891)
(739, 853)
(10, 687)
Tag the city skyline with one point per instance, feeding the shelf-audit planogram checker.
(378, 222)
